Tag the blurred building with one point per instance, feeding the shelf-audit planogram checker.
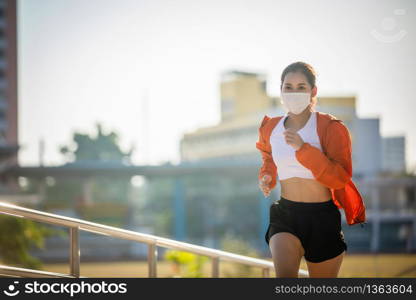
(8, 97)
(8, 83)
(238, 90)
(244, 102)
(367, 147)
(393, 153)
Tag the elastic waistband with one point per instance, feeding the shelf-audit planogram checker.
(307, 205)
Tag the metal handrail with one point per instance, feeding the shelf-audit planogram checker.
(19, 272)
(75, 225)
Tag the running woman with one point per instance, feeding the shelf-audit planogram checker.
(310, 153)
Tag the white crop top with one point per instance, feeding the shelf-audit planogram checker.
(284, 155)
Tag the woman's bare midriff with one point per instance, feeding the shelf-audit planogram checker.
(304, 190)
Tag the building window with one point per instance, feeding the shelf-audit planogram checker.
(227, 107)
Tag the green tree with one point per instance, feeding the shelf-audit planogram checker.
(109, 194)
(192, 263)
(18, 236)
(103, 147)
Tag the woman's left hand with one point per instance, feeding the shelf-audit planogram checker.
(293, 138)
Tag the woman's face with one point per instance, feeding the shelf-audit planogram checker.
(296, 82)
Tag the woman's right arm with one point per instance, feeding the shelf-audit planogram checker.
(268, 166)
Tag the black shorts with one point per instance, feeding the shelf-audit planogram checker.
(316, 224)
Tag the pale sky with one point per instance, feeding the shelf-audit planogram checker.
(82, 62)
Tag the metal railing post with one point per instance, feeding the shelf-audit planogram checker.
(215, 267)
(74, 252)
(266, 272)
(152, 260)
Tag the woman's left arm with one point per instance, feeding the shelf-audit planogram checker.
(334, 169)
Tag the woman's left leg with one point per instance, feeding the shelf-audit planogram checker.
(325, 269)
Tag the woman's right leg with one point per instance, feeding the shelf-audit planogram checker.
(287, 251)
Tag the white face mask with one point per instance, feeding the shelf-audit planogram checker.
(295, 102)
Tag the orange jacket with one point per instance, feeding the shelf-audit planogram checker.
(332, 166)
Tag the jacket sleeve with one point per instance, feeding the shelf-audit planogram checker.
(268, 166)
(333, 169)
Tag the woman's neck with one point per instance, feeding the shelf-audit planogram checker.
(301, 118)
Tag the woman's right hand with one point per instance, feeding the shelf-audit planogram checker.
(264, 185)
